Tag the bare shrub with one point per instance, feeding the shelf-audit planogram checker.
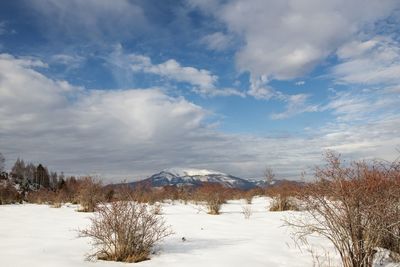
(283, 203)
(125, 231)
(41, 196)
(56, 205)
(357, 207)
(156, 209)
(321, 259)
(247, 211)
(248, 197)
(90, 194)
(284, 196)
(8, 193)
(214, 196)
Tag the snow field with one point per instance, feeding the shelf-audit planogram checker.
(40, 236)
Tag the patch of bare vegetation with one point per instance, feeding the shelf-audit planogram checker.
(214, 195)
(247, 211)
(125, 231)
(356, 206)
(90, 194)
(284, 196)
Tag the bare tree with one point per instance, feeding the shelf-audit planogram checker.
(269, 175)
(2, 163)
(18, 170)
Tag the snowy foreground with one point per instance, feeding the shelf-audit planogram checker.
(37, 235)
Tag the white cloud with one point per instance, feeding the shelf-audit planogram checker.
(356, 105)
(217, 41)
(66, 59)
(173, 70)
(260, 89)
(202, 81)
(89, 19)
(374, 61)
(296, 104)
(131, 133)
(286, 39)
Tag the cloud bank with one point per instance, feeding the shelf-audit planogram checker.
(132, 133)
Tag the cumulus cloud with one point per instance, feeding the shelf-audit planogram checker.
(172, 69)
(136, 132)
(61, 118)
(202, 81)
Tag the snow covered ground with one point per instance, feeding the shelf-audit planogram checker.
(37, 235)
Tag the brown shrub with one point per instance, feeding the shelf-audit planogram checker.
(214, 196)
(125, 231)
(357, 207)
(90, 194)
(8, 193)
(284, 196)
(283, 203)
(41, 196)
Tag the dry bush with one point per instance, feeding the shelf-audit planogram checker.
(41, 196)
(214, 195)
(125, 231)
(247, 211)
(357, 207)
(156, 208)
(248, 195)
(284, 196)
(69, 190)
(283, 203)
(142, 192)
(90, 194)
(56, 205)
(8, 193)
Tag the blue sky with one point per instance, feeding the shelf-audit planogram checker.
(125, 88)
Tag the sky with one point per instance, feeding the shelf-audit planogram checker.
(123, 89)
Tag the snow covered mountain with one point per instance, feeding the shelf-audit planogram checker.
(194, 177)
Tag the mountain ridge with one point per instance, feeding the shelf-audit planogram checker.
(194, 177)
